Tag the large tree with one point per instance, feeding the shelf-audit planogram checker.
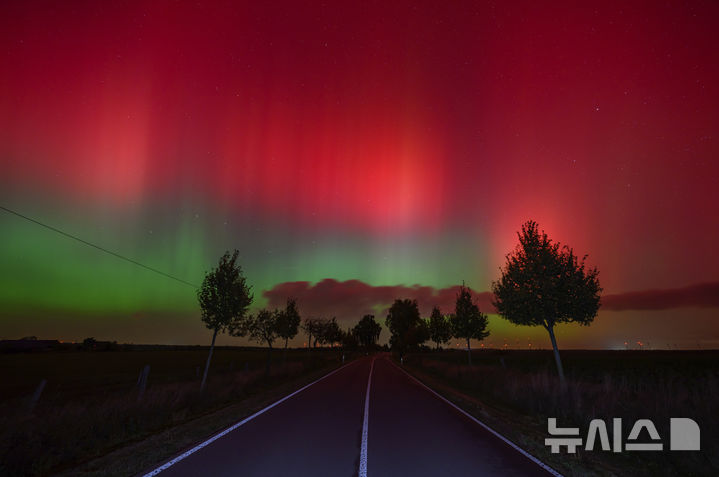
(262, 328)
(224, 298)
(367, 331)
(407, 328)
(544, 284)
(440, 330)
(288, 322)
(467, 322)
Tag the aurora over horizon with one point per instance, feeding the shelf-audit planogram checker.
(360, 147)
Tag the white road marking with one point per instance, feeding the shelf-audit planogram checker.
(365, 425)
(497, 434)
(235, 426)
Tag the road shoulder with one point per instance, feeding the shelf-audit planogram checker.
(523, 431)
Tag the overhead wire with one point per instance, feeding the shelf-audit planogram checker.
(98, 247)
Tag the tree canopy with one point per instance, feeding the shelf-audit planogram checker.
(350, 340)
(367, 331)
(262, 328)
(407, 328)
(328, 332)
(288, 321)
(224, 296)
(440, 330)
(311, 327)
(467, 321)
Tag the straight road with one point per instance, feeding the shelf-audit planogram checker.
(319, 432)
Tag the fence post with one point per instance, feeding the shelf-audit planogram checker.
(36, 395)
(142, 382)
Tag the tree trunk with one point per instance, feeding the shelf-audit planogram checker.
(269, 355)
(284, 355)
(557, 359)
(207, 365)
(469, 353)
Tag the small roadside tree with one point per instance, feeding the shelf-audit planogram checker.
(543, 284)
(88, 344)
(407, 328)
(440, 330)
(262, 328)
(328, 332)
(224, 298)
(367, 331)
(288, 322)
(468, 322)
(311, 327)
(350, 342)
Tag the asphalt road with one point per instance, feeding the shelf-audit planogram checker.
(318, 432)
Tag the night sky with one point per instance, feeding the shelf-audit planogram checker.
(358, 149)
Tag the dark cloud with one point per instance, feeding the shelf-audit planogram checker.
(703, 295)
(351, 299)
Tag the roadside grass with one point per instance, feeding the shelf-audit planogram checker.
(516, 391)
(90, 406)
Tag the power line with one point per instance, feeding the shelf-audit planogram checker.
(117, 255)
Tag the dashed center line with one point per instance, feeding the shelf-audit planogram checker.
(365, 422)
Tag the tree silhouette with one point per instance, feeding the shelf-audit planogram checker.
(544, 284)
(467, 321)
(224, 298)
(367, 331)
(440, 330)
(311, 326)
(350, 341)
(407, 328)
(288, 322)
(327, 331)
(262, 328)
(88, 344)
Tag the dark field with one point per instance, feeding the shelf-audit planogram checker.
(516, 391)
(72, 372)
(91, 406)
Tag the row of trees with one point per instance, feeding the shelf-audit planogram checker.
(409, 330)
(225, 298)
(364, 334)
(541, 284)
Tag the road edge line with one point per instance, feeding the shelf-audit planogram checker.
(226, 431)
(485, 426)
(365, 425)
